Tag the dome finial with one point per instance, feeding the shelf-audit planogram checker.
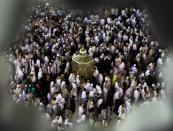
(83, 50)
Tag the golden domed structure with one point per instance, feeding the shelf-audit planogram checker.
(82, 64)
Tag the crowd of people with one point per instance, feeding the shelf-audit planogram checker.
(128, 64)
